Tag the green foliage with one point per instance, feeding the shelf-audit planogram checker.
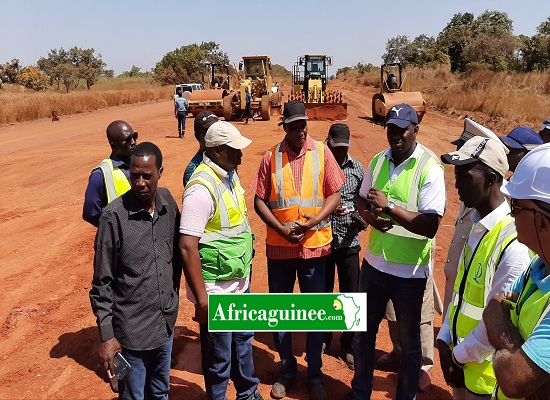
(134, 72)
(189, 63)
(10, 71)
(33, 78)
(454, 38)
(397, 50)
(278, 71)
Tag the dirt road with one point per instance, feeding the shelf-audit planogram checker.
(49, 340)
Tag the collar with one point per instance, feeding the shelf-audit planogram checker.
(222, 173)
(538, 274)
(117, 162)
(308, 145)
(135, 207)
(415, 154)
(493, 217)
(348, 160)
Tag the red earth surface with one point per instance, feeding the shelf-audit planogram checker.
(49, 339)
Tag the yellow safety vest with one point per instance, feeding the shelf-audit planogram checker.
(288, 206)
(226, 246)
(404, 192)
(116, 183)
(472, 285)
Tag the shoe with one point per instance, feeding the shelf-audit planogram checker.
(347, 356)
(424, 382)
(256, 396)
(254, 123)
(278, 391)
(317, 392)
(390, 359)
(326, 348)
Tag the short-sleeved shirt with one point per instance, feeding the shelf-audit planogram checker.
(261, 186)
(431, 200)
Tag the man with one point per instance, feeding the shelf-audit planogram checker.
(180, 112)
(402, 198)
(110, 179)
(137, 272)
(491, 259)
(203, 120)
(345, 231)
(216, 245)
(296, 190)
(519, 141)
(248, 110)
(545, 131)
(518, 326)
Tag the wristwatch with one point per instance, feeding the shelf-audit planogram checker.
(389, 207)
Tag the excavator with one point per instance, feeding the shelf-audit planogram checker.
(309, 84)
(212, 99)
(392, 92)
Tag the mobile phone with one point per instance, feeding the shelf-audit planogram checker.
(122, 366)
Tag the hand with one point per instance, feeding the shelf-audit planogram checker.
(453, 374)
(292, 234)
(311, 221)
(379, 223)
(377, 199)
(107, 351)
(201, 313)
(342, 209)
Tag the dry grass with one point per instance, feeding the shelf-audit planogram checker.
(18, 104)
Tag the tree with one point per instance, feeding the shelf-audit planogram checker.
(89, 66)
(493, 22)
(397, 50)
(134, 72)
(32, 78)
(454, 37)
(10, 71)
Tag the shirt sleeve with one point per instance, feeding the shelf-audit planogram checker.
(476, 347)
(445, 330)
(366, 183)
(95, 198)
(432, 198)
(334, 177)
(539, 337)
(261, 182)
(197, 209)
(105, 262)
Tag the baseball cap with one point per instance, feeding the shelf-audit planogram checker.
(222, 132)
(546, 124)
(204, 119)
(338, 135)
(401, 115)
(471, 129)
(293, 111)
(521, 136)
(489, 151)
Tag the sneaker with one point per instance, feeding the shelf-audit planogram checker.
(278, 391)
(317, 391)
(388, 360)
(425, 382)
(347, 356)
(254, 123)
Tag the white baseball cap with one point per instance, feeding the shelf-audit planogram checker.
(223, 132)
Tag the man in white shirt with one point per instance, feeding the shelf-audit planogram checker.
(492, 258)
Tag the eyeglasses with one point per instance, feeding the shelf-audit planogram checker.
(514, 208)
(129, 138)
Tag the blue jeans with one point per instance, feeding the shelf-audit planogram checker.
(227, 355)
(149, 377)
(311, 279)
(406, 295)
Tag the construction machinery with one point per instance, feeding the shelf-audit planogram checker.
(309, 84)
(212, 99)
(254, 74)
(392, 92)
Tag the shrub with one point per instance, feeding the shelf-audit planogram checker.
(33, 78)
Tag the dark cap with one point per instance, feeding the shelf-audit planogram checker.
(401, 115)
(294, 111)
(204, 119)
(521, 136)
(338, 135)
(546, 124)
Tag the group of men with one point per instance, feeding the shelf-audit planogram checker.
(315, 199)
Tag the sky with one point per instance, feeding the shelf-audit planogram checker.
(140, 32)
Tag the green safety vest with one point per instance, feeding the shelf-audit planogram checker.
(472, 286)
(226, 245)
(404, 192)
(116, 183)
(530, 309)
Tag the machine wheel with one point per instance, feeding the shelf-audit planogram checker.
(265, 108)
(276, 99)
(227, 108)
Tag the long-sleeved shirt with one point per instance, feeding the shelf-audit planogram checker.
(514, 260)
(96, 193)
(137, 271)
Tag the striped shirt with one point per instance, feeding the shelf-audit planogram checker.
(261, 186)
(344, 230)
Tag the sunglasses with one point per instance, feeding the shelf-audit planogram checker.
(129, 138)
(514, 208)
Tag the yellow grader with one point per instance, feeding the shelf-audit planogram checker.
(392, 92)
(212, 99)
(309, 85)
(256, 75)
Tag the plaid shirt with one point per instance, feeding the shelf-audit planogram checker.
(344, 230)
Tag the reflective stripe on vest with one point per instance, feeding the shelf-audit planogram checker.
(116, 183)
(472, 286)
(405, 194)
(288, 206)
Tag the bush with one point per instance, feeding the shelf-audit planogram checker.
(33, 78)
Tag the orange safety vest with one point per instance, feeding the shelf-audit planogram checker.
(289, 207)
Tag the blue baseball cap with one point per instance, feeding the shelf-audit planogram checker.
(401, 115)
(521, 136)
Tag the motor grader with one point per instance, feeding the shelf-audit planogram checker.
(212, 99)
(392, 92)
(309, 85)
(254, 73)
